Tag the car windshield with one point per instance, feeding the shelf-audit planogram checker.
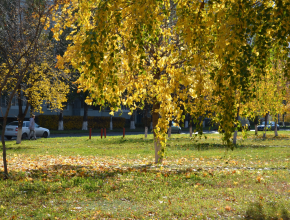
(14, 123)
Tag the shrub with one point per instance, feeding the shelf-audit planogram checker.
(75, 122)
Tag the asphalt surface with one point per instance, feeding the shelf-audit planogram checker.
(110, 134)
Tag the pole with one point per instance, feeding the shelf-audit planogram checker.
(101, 132)
(90, 133)
(123, 132)
(105, 134)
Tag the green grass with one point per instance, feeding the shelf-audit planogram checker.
(78, 178)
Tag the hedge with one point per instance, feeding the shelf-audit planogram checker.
(76, 122)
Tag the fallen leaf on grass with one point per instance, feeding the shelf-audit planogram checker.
(228, 208)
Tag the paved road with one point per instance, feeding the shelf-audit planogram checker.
(112, 134)
(108, 134)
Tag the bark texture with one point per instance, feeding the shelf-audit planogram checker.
(265, 128)
(169, 131)
(157, 145)
(85, 118)
(276, 132)
(236, 132)
(190, 126)
(132, 121)
(146, 132)
(60, 122)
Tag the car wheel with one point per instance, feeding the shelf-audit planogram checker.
(178, 132)
(8, 137)
(45, 134)
(24, 136)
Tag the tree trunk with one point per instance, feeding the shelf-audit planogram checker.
(111, 123)
(85, 118)
(283, 120)
(146, 132)
(265, 128)
(157, 145)
(3, 137)
(186, 121)
(132, 121)
(146, 120)
(276, 132)
(21, 116)
(236, 131)
(4, 148)
(190, 126)
(169, 131)
(256, 122)
(60, 121)
(235, 137)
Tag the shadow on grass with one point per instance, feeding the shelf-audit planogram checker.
(90, 178)
(208, 146)
(269, 210)
(19, 148)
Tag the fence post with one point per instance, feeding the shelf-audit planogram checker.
(123, 132)
(90, 132)
(101, 133)
(105, 133)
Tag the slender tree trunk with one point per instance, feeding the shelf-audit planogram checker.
(3, 131)
(276, 132)
(236, 131)
(169, 129)
(157, 145)
(132, 120)
(60, 121)
(265, 128)
(21, 116)
(146, 120)
(85, 118)
(111, 123)
(283, 120)
(190, 126)
(186, 121)
(256, 121)
(4, 148)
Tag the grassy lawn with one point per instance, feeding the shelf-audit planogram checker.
(78, 178)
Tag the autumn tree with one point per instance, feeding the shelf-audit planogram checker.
(21, 26)
(180, 56)
(43, 84)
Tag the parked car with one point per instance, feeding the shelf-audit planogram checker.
(12, 129)
(270, 125)
(175, 129)
(245, 123)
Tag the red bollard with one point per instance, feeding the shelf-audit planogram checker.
(101, 132)
(90, 133)
(123, 132)
(105, 133)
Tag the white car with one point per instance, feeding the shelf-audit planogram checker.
(12, 129)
